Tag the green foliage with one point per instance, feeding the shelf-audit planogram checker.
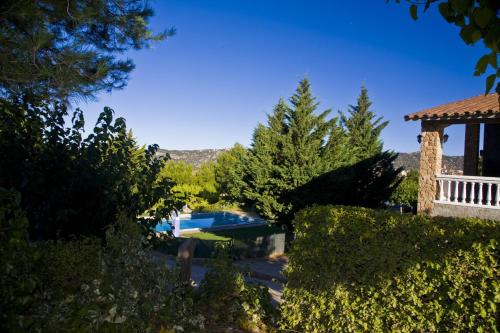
(225, 298)
(196, 188)
(407, 191)
(71, 185)
(477, 20)
(229, 174)
(287, 153)
(83, 286)
(368, 183)
(297, 148)
(70, 49)
(363, 130)
(361, 270)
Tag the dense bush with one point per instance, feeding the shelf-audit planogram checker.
(82, 285)
(72, 185)
(357, 269)
(367, 183)
(406, 193)
(115, 285)
(226, 300)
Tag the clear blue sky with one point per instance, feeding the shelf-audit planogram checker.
(231, 61)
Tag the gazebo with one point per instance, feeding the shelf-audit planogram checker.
(476, 193)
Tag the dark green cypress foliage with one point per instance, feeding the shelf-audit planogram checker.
(287, 152)
(337, 152)
(265, 167)
(363, 128)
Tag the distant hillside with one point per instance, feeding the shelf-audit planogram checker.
(194, 157)
(410, 161)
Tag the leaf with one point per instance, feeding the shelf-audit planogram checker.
(413, 12)
(490, 80)
(470, 35)
(444, 9)
(484, 61)
(482, 16)
(427, 5)
(459, 6)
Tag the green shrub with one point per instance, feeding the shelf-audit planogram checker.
(83, 285)
(226, 300)
(75, 185)
(356, 269)
(407, 191)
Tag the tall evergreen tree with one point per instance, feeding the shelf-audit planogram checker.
(287, 153)
(363, 128)
(337, 152)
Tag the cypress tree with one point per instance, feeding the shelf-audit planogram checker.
(287, 152)
(337, 152)
(363, 128)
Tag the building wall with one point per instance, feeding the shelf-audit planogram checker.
(441, 209)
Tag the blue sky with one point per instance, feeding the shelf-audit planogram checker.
(231, 61)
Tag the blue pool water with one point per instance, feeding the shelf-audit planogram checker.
(209, 220)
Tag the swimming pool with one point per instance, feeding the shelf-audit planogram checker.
(197, 221)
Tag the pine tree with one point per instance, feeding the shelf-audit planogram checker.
(363, 129)
(60, 49)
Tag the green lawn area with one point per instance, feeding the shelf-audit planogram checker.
(244, 240)
(239, 233)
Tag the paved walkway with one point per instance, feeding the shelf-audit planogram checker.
(267, 271)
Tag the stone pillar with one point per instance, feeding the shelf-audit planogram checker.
(430, 164)
(471, 149)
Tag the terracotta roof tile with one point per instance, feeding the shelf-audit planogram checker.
(482, 105)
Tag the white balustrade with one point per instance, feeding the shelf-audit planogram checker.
(469, 190)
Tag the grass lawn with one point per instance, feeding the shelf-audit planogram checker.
(239, 233)
(243, 240)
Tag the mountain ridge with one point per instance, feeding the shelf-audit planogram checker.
(409, 161)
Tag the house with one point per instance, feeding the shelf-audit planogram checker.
(476, 193)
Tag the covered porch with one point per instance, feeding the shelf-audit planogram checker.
(476, 192)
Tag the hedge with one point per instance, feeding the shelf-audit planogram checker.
(356, 269)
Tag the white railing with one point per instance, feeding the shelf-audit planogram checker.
(469, 190)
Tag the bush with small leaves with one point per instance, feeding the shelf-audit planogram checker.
(362, 270)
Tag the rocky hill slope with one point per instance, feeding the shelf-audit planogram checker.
(409, 161)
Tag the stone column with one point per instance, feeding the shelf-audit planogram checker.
(430, 164)
(471, 149)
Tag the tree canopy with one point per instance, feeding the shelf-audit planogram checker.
(71, 185)
(287, 152)
(477, 20)
(299, 150)
(363, 129)
(65, 50)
